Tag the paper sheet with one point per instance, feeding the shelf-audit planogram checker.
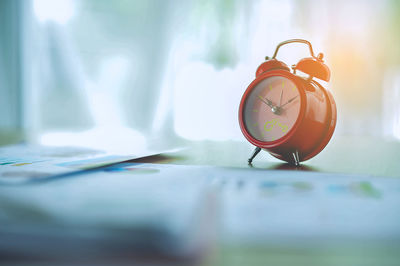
(107, 213)
(20, 163)
(259, 205)
(254, 205)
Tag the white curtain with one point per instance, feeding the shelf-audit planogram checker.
(10, 86)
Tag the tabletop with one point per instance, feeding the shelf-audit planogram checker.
(344, 154)
(368, 157)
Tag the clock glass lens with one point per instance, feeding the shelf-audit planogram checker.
(271, 108)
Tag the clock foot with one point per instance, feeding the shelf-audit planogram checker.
(254, 154)
(296, 159)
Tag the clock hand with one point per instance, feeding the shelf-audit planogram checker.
(280, 99)
(274, 108)
(291, 100)
(266, 101)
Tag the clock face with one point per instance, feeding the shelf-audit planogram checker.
(271, 108)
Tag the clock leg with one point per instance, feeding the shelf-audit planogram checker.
(254, 154)
(296, 159)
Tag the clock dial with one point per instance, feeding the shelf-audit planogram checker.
(271, 108)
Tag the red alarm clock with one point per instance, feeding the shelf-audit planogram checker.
(291, 117)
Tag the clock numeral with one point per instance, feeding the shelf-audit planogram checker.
(269, 125)
(283, 127)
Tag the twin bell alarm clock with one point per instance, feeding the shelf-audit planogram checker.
(290, 116)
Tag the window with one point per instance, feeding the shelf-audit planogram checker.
(140, 71)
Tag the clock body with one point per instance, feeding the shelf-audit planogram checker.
(287, 115)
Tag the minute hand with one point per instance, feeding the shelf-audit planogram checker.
(291, 100)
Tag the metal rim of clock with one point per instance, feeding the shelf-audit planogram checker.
(286, 137)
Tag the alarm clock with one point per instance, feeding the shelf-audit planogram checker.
(291, 116)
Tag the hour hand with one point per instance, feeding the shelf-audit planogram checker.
(266, 101)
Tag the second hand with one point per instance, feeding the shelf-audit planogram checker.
(291, 100)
